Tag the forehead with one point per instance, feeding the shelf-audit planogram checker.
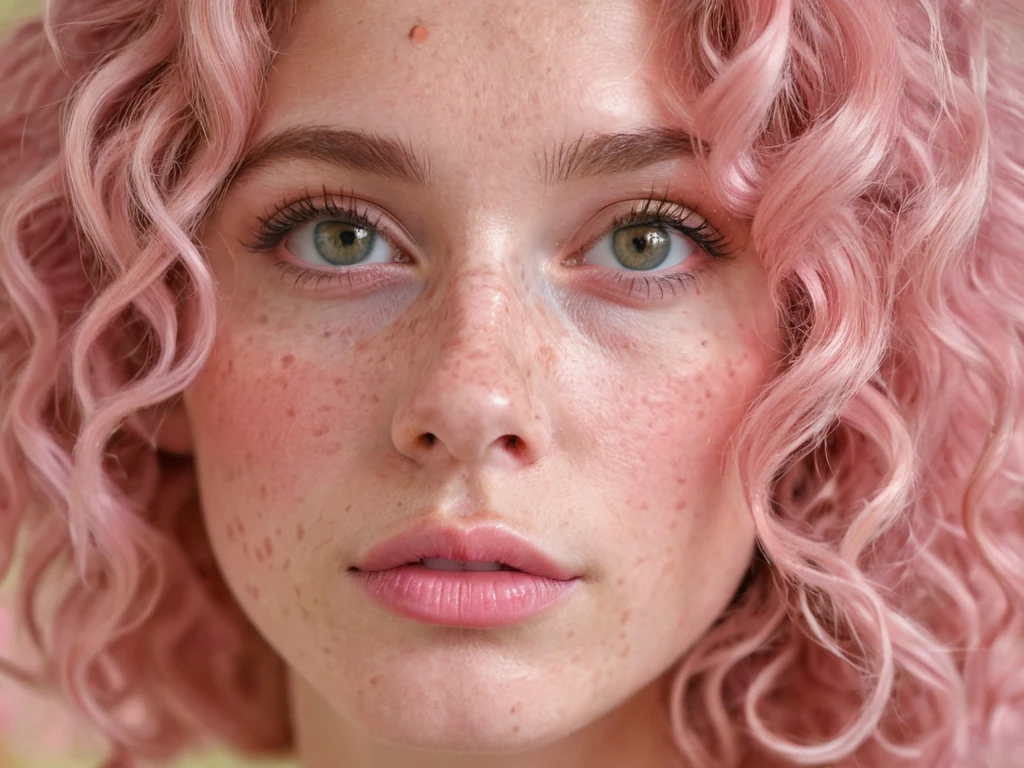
(488, 75)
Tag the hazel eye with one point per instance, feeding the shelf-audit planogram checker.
(641, 248)
(337, 243)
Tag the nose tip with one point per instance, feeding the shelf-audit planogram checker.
(462, 417)
(472, 395)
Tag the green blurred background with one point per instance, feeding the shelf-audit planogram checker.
(34, 732)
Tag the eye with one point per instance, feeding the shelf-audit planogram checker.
(641, 248)
(336, 243)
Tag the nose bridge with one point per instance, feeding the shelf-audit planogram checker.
(479, 313)
(472, 391)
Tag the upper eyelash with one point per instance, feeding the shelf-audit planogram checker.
(655, 210)
(288, 216)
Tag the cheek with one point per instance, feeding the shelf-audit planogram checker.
(679, 514)
(267, 423)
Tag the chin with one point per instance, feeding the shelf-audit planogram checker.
(462, 729)
(423, 715)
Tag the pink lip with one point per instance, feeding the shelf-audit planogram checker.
(392, 575)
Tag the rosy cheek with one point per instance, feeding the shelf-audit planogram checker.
(267, 423)
(673, 433)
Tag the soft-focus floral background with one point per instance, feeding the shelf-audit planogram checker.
(34, 731)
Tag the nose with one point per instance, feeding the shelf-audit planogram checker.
(472, 396)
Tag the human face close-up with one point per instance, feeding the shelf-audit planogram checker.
(522, 312)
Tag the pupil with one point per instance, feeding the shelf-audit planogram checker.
(641, 247)
(343, 243)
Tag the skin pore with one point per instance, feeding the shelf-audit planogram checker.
(489, 361)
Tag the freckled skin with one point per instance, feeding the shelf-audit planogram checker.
(309, 420)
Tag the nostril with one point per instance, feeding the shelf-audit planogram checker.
(428, 439)
(514, 443)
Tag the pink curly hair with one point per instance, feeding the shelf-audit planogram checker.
(878, 149)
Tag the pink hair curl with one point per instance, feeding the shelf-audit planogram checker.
(877, 147)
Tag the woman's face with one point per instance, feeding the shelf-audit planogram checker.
(489, 293)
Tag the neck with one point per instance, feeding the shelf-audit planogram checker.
(635, 733)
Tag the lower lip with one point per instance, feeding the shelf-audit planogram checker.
(474, 599)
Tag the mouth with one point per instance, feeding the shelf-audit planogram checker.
(443, 564)
(482, 578)
(483, 549)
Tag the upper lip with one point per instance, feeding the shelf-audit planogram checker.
(487, 543)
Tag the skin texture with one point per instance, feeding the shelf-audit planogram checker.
(310, 422)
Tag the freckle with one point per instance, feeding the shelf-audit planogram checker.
(348, 507)
(287, 360)
(300, 532)
(327, 334)
(624, 618)
(419, 33)
(375, 398)
(269, 546)
(374, 679)
(256, 592)
(231, 533)
(513, 710)
(570, 634)
(575, 658)
(263, 492)
(625, 652)
(240, 525)
(339, 383)
(231, 366)
(327, 651)
(319, 431)
(287, 564)
(515, 729)
(262, 319)
(704, 343)
(290, 413)
(622, 635)
(621, 581)
(259, 555)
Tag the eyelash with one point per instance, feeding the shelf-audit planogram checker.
(274, 227)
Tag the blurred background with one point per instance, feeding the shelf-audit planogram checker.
(35, 732)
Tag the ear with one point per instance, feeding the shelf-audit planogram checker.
(173, 433)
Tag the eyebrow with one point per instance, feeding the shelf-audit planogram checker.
(356, 150)
(605, 154)
(589, 155)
